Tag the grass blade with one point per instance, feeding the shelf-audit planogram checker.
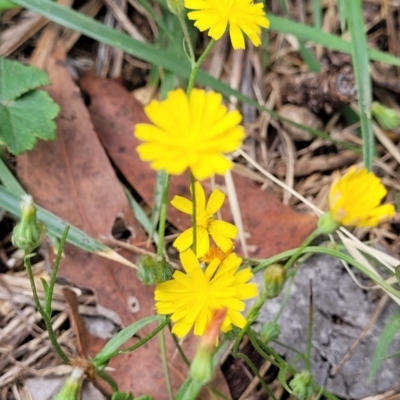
(56, 226)
(354, 17)
(387, 335)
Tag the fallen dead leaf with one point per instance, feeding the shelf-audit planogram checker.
(271, 226)
(73, 178)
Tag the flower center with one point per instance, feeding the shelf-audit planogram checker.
(204, 219)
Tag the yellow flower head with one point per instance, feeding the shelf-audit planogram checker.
(215, 252)
(354, 199)
(243, 16)
(193, 297)
(222, 232)
(190, 132)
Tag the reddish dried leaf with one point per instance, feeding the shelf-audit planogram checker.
(272, 226)
(73, 178)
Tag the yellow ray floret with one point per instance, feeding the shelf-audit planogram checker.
(355, 198)
(192, 132)
(242, 16)
(193, 296)
(222, 232)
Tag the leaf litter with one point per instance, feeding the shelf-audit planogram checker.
(314, 183)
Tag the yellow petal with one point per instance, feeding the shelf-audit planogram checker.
(215, 201)
(184, 240)
(182, 204)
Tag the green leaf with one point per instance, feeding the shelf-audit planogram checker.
(9, 180)
(6, 5)
(354, 17)
(121, 337)
(387, 335)
(26, 119)
(55, 225)
(141, 216)
(17, 79)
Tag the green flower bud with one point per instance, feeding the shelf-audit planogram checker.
(387, 117)
(72, 387)
(301, 385)
(27, 234)
(123, 396)
(201, 369)
(176, 6)
(154, 270)
(274, 279)
(270, 331)
(326, 223)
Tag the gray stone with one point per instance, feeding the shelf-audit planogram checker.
(341, 311)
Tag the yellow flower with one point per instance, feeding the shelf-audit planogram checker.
(242, 16)
(354, 199)
(222, 232)
(215, 252)
(193, 297)
(190, 132)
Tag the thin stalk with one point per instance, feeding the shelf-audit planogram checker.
(197, 65)
(165, 365)
(306, 242)
(254, 342)
(141, 342)
(255, 371)
(251, 317)
(309, 331)
(163, 217)
(192, 57)
(46, 318)
(179, 347)
(53, 276)
(285, 297)
(194, 217)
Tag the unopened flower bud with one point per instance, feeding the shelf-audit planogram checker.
(326, 223)
(176, 6)
(301, 385)
(387, 117)
(202, 369)
(154, 270)
(270, 331)
(72, 387)
(274, 279)
(27, 234)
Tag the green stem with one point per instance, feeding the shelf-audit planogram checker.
(255, 371)
(285, 297)
(179, 347)
(46, 317)
(197, 65)
(194, 216)
(53, 276)
(251, 317)
(163, 216)
(309, 332)
(297, 253)
(141, 342)
(192, 57)
(165, 365)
